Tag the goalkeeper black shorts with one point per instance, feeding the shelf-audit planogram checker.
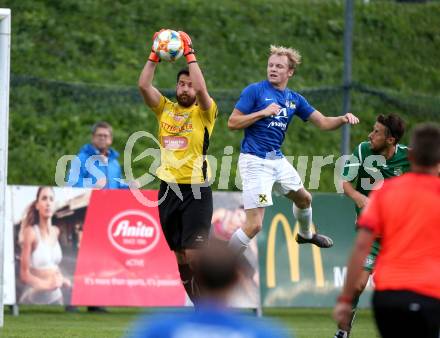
(185, 219)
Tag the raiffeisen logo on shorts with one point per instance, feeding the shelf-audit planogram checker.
(133, 232)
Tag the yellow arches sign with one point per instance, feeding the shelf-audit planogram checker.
(293, 253)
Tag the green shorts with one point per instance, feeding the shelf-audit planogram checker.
(371, 258)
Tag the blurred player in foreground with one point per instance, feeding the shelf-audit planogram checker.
(405, 214)
(184, 131)
(369, 168)
(217, 273)
(264, 111)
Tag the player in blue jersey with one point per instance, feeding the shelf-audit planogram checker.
(264, 111)
(217, 272)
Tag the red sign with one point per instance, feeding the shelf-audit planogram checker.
(133, 232)
(124, 259)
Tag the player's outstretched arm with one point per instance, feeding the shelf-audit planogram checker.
(343, 308)
(238, 120)
(150, 94)
(195, 73)
(332, 122)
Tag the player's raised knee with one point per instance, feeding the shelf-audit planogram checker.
(305, 201)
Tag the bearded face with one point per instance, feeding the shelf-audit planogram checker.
(185, 93)
(379, 141)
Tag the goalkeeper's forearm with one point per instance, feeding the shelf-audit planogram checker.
(198, 81)
(150, 94)
(147, 75)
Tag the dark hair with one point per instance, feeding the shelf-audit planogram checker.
(102, 124)
(425, 145)
(395, 126)
(217, 268)
(183, 71)
(31, 216)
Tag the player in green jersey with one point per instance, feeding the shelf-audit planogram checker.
(371, 162)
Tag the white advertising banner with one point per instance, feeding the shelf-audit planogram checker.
(8, 264)
(96, 258)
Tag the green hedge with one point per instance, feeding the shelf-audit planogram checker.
(75, 62)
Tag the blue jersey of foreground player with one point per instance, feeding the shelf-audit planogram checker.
(265, 137)
(213, 323)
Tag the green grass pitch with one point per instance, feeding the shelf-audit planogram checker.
(53, 322)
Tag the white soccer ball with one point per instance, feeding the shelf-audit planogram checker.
(168, 45)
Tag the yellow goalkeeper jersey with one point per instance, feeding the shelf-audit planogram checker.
(184, 134)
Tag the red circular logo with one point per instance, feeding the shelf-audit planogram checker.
(133, 232)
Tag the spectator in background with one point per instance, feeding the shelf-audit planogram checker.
(217, 273)
(41, 253)
(97, 166)
(97, 163)
(405, 213)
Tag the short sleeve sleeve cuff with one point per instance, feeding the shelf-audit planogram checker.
(246, 101)
(211, 114)
(159, 108)
(304, 109)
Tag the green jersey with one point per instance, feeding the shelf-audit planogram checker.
(366, 167)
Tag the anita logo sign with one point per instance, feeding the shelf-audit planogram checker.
(133, 232)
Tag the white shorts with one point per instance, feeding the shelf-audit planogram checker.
(259, 175)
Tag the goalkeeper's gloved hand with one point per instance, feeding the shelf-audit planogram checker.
(153, 56)
(188, 50)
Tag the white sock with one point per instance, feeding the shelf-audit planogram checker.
(341, 334)
(239, 241)
(304, 218)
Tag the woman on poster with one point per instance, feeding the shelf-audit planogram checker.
(41, 253)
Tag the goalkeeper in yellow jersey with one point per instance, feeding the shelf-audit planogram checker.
(185, 127)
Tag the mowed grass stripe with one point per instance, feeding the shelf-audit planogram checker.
(53, 322)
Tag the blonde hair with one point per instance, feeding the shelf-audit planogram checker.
(293, 56)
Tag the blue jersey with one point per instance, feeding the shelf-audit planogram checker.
(213, 323)
(265, 137)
